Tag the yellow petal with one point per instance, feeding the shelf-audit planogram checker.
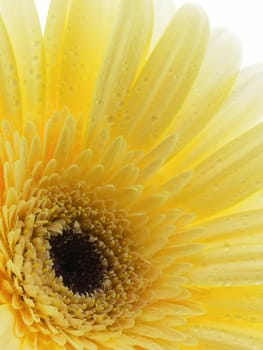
(163, 84)
(163, 13)
(242, 110)
(244, 226)
(158, 331)
(126, 52)
(11, 101)
(7, 338)
(21, 19)
(236, 273)
(76, 36)
(224, 338)
(211, 88)
(226, 175)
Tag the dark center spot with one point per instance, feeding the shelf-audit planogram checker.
(77, 261)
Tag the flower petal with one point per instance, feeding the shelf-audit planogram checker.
(21, 19)
(156, 97)
(210, 89)
(11, 102)
(223, 337)
(76, 35)
(241, 272)
(242, 110)
(163, 13)
(235, 305)
(226, 175)
(7, 338)
(125, 55)
(244, 226)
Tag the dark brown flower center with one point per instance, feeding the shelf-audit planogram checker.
(77, 261)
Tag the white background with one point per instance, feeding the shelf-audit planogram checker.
(245, 18)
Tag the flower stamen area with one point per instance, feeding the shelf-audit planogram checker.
(79, 251)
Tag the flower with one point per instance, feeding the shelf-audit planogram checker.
(131, 180)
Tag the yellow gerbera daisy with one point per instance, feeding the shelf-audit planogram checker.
(131, 180)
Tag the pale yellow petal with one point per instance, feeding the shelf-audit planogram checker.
(76, 36)
(244, 226)
(234, 304)
(222, 337)
(161, 152)
(234, 273)
(226, 175)
(154, 331)
(21, 20)
(113, 154)
(126, 52)
(7, 338)
(26, 344)
(163, 84)
(126, 175)
(163, 13)
(242, 110)
(211, 88)
(11, 102)
(54, 39)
